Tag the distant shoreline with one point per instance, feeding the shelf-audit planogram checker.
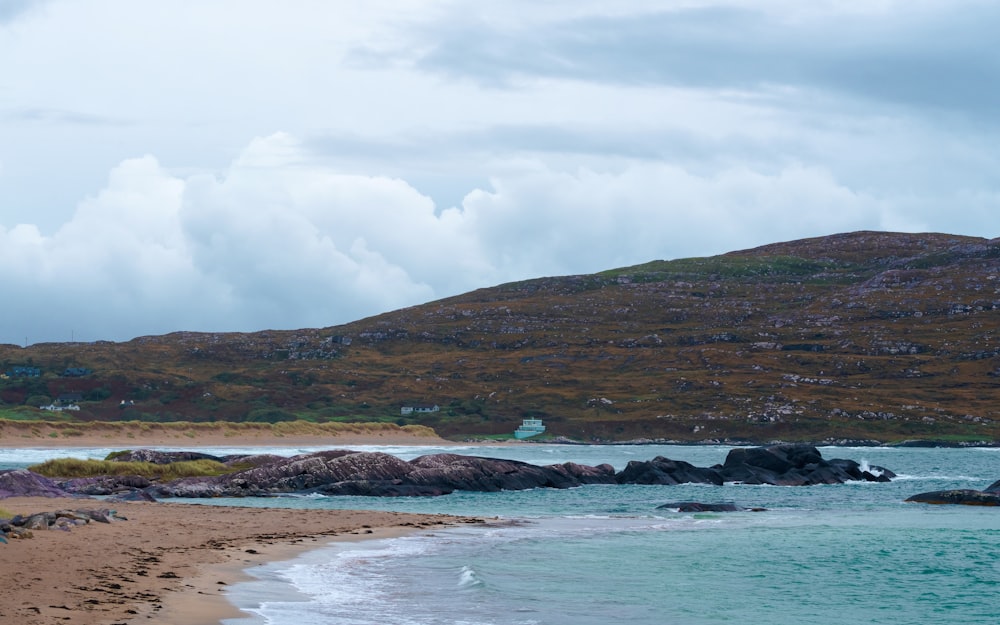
(56, 435)
(133, 434)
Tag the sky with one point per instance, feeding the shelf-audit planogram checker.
(241, 165)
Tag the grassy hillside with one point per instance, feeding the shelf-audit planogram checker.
(856, 336)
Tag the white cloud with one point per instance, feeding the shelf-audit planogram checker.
(430, 148)
(279, 241)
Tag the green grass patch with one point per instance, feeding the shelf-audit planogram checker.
(74, 467)
(30, 413)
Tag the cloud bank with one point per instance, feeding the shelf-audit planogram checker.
(280, 241)
(238, 166)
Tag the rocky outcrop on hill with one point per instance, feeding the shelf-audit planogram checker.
(989, 496)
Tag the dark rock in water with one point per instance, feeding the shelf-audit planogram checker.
(474, 473)
(965, 497)
(793, 465)
(697, 506)
(585, 474)
(159, 457)
(778, 459)
(24, 483)
(993, 488)
(662, 470)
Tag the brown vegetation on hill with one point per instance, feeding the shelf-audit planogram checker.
(874, 336)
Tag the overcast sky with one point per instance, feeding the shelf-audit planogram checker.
(239, 165)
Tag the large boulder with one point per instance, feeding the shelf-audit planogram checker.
(104, 484)
(475, 473)
(794, 465)
(24, 483)
(698, 506)
(665, 471)
(155, 456)
(961, 496)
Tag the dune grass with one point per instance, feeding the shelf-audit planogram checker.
(74, 468)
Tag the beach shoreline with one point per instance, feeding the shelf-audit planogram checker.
(168, 563)
(20, 435)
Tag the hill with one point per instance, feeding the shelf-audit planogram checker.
(865, 335)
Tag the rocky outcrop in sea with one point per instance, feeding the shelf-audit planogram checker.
(346, 472)
(989, 496)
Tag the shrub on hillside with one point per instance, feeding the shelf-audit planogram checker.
(269, 415)
(38, 401)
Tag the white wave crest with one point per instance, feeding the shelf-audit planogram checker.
(468, 578)
(868, 468)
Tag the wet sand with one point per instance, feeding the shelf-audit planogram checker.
(169, 563)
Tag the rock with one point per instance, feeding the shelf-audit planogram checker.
(250, 460)
(40, 521)
(964, 497)
(993, 488)
(775, 458)
(696, 506)
(24, 483)
(474, 473)
(131, 495)
(105, 484)
(158, 457)
(585, 474)
(794, 465)
(662, 470)
(346, 472)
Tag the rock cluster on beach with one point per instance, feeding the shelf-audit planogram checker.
(23, 526)
(989, 496)
(24, 483)
(346, 472)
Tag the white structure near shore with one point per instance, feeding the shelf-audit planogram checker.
(529, 428)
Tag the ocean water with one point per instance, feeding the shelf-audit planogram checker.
(832, 554)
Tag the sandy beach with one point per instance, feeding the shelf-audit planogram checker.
(131, 435)
(167, 564)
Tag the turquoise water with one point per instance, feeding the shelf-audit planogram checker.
(831, 554)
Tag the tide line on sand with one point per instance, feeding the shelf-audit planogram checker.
(169, 562)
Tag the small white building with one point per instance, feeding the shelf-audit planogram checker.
(419, 408)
